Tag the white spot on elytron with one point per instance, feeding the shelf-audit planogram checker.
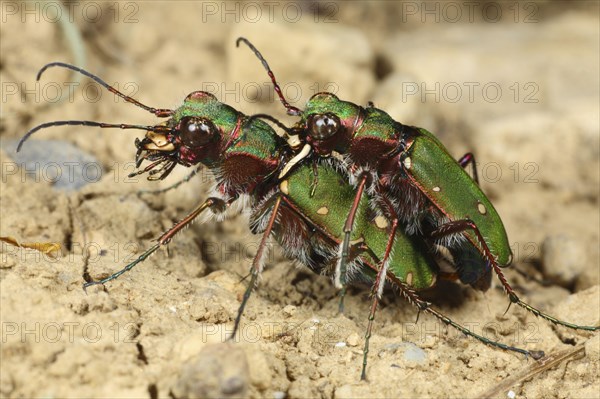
(381, 222)
(407, 162)
(481, 208)
(437, 189)
(409, 278)
(323, 210)
(511, 394)
(340, 344)
(284, 187)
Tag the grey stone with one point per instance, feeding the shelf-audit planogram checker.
(58, 162)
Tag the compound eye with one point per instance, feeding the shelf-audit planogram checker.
(196, 132)
(323, 126)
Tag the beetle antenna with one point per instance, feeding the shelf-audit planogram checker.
(159, 112)
(158, 128)
(291, 110)
(270, 118)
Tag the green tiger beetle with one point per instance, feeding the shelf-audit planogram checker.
(243, 153)
(412, 179)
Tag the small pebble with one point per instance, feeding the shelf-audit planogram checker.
(289, 310)
(563, 257)
(353, 339)
(6, 262)
(413, 353)
(345, 391)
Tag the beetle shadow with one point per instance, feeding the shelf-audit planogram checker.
(447, 294)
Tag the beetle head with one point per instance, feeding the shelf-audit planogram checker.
(329, 123)
(193, 135)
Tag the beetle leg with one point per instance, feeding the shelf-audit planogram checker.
(216, 204)
(411, 296)
(459, 226)
(376, 292)
(466, 159)
(257, 265)
(341, 266)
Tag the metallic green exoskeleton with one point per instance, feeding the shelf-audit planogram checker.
(327, 209)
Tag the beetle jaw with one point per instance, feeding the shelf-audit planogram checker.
(157, 142)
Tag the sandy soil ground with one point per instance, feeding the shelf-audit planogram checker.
(516, 83)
